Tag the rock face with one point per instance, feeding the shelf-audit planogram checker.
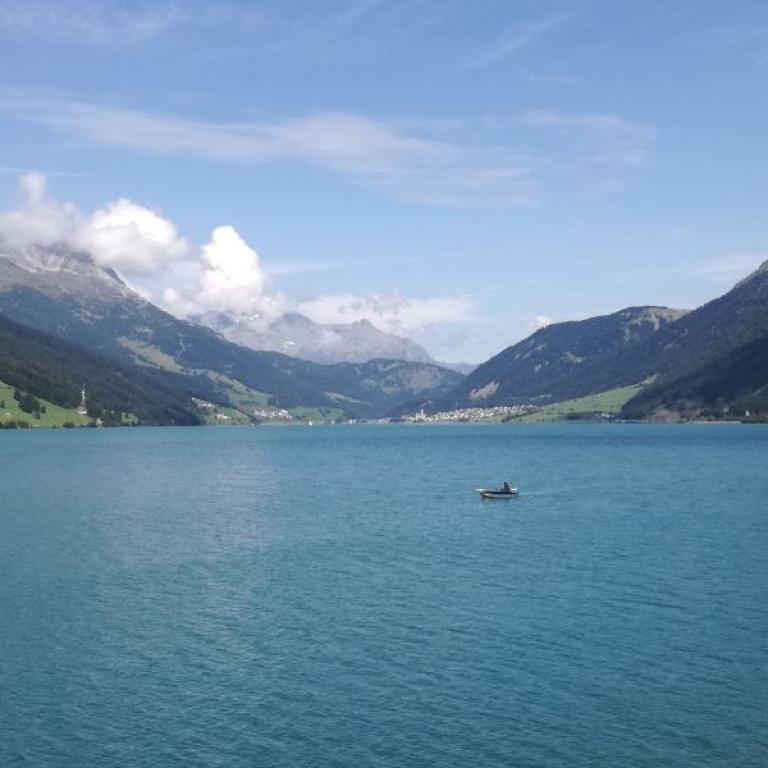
(64, 294)
(566, 360)
(296, 335)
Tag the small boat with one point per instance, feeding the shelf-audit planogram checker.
(489, 493)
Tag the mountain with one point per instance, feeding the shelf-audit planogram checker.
(462, 368)
(62, 293)
(566, 360)
(378, 387)
(54, 370)
(714, 360)
(711, 362)
(734, 384)
(296, 335)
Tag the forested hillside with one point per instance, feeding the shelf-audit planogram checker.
(713, 362)
(566, 360)
(44, 367)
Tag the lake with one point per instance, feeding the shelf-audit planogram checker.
(339, 596)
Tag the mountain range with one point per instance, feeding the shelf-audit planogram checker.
(65, 321)
(296, 335)
(63, 294)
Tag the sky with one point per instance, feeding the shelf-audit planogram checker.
(457, 172)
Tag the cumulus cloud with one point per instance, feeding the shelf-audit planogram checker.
(39, 220)
(232, 277)
(224, 275)
(123, 235)
(131, 238)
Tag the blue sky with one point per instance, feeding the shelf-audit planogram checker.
(457, 171)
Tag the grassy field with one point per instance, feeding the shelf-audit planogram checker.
(609, 402)
(317, 414)
(218, 415)
(240, 396)
(54, 416)
(224, 416)
(149, 354)
(228, 415)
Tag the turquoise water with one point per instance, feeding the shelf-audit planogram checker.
(338, 596)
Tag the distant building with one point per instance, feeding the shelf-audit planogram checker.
(82, 409)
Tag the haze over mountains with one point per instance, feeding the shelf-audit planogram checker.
(296, 335)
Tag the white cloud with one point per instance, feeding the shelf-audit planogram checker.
(369, 151)
(122, 235)
(391, 313)
(131, 238)
(224, 275)
(534, 322)
(39, 220)
(232, 278)
(482, 166)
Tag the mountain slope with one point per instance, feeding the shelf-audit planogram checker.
(707, 361)
(732, 384)
(62, 293)
(714, 357)
(298, 336)
(566, 360)
(49, 368)
(379, 386)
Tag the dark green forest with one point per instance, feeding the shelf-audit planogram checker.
(40, 366)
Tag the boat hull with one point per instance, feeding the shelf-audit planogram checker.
(486, 493)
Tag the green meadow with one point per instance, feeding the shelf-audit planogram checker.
(51, 415)
(609, 402)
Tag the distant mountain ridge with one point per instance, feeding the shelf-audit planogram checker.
(295, 335)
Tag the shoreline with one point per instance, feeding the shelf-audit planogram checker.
(379, 423)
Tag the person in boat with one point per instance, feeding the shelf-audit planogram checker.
(506, 488)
